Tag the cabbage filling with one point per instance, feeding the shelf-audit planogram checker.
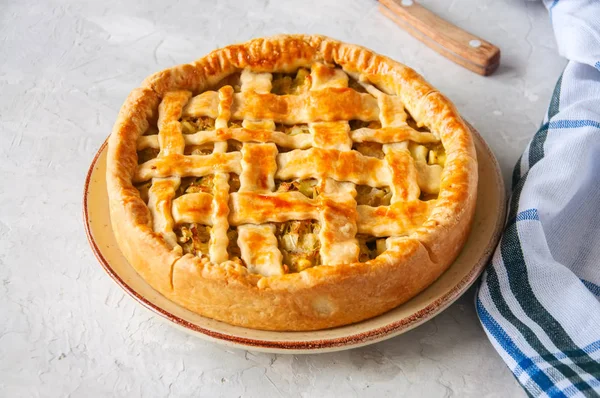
(234, 182)
(235, 124)
(233, 80)
(196, 184)
(191, 125)
(373, 149)
(234, 146)
(292, 130)
(306, 187)
(147, 154)
(370, 196)
(205, 184)
(429, 161)
(232, 248)
(193, 238)
(204, 149)
(436, 154)
(299, 244)
(359, 124)
(370, 247)
(413, 123)
(285, 84)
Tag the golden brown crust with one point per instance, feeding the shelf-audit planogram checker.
(319, 297)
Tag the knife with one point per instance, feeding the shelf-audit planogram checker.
(454, 43)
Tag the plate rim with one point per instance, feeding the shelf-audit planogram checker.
(318, 345)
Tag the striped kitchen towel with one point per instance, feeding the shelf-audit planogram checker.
(539, 299)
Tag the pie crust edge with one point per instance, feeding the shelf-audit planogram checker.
(319, 297)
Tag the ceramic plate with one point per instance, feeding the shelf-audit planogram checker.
(487, 226)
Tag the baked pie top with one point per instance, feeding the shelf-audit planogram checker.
(289, 162)
(297, 161)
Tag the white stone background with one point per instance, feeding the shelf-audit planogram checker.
(66, 329)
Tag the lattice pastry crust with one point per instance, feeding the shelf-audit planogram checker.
(290, 183)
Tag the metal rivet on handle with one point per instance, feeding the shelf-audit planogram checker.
(475, 43)
(407, 3)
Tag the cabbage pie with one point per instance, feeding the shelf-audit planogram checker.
(290, 183)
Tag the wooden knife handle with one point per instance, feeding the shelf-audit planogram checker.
(460, 46)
